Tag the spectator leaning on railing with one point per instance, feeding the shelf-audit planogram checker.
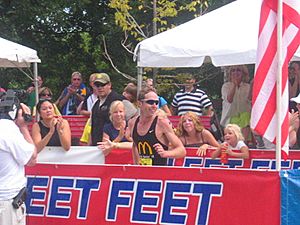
(192, 133)
(114, 132)
(50, 130)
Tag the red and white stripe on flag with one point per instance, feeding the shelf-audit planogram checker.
(263, 115)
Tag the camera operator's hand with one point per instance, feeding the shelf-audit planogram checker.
(20, 121)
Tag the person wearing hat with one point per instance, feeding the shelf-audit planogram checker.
(100, 110)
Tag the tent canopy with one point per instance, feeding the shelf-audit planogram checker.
(225, 36)
(16, 55)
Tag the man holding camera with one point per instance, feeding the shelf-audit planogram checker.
(16, 150)
(72, 95)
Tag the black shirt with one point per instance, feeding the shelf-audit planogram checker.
(100, 116)
(54, 140)
(144, 144)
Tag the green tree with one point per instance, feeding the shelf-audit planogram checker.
(66, 34)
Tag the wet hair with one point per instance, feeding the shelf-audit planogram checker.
(196, 121)
(113, 106)
(236, 130)
(144, 91)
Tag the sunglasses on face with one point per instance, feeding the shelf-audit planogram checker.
(98, 84)
(76, 79)
(49, 95)
(152, 102)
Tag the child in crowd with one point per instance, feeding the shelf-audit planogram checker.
(233, 140)
(192, 133)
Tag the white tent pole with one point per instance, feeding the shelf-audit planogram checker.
(139, 79)
(279, 85)
(35, 73)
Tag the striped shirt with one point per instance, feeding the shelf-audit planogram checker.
(193, 101)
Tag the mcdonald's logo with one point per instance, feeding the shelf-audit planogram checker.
(144, 148)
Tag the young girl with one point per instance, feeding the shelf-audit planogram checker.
(233, 139)
(192, 133)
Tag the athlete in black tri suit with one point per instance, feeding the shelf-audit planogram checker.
(153, 137)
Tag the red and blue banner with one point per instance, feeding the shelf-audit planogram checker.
(120, 194)
(259, 159)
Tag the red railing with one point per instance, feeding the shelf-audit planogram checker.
(77, 123)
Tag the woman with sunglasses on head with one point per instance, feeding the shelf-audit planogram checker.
(114, 132)
(46, 93)
(192, 133)
(50, 130)
(236, 104)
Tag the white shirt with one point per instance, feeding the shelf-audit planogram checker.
(239, 104)
(90, 101)
(15, 152)
(239, 145)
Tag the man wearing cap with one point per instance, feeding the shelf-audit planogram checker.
(100, 110)
(190, 98)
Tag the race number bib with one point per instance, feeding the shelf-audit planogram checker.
(146, 161)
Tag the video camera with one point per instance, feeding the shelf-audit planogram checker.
(10, 104)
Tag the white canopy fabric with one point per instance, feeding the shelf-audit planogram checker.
(225, 36)
(16, 55)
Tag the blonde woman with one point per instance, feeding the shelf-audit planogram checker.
(46, 93)
(236, 105)
(233, 140)
(192, 133)
(114, 132)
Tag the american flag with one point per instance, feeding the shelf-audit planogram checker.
(263, 116)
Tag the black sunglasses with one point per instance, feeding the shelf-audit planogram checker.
(49, 95)
(152, 102)
(99, 84)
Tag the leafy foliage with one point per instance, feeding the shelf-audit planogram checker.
(68, 35)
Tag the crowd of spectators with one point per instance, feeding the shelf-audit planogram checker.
(132, 121)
